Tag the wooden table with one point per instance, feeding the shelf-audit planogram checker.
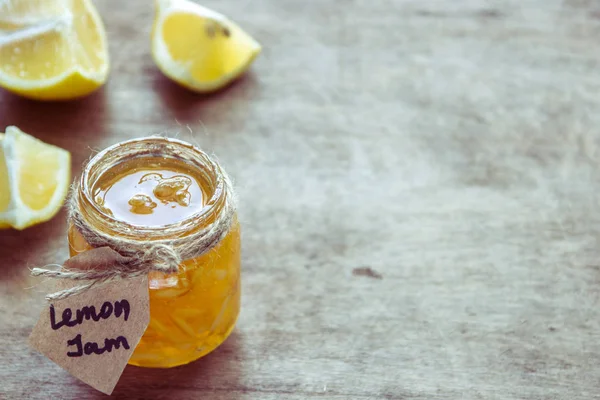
(419, 194)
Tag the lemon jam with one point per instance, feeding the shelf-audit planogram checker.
(153, 194)
(155, 188)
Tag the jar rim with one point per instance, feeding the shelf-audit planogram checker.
(150, 146)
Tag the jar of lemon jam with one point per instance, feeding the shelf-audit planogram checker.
(154, 189)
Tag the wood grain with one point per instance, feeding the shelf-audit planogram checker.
(419, 195)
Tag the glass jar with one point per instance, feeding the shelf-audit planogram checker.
(194, 310)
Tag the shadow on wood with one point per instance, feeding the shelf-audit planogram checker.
(73, 125)
(214, 371)
(189, 107)
(36, 247)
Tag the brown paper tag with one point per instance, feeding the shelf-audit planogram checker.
(92, 335)
(98, 258)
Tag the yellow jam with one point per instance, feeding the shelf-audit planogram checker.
(191, 312)
(155, 194)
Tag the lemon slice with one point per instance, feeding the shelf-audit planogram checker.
(51, 49)
(34, 179)
(199, 48)
(17, 14)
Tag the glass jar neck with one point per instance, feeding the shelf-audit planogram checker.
(151, 147)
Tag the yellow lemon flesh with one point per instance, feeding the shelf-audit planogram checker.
(199, 48)
(52, 49)
(34, 179)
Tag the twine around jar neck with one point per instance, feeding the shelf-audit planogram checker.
(120, 251)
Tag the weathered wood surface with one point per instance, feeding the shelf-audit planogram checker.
(419, 191)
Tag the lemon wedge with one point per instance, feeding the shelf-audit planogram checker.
(199, 48)
(52, 49)
(34, 179)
